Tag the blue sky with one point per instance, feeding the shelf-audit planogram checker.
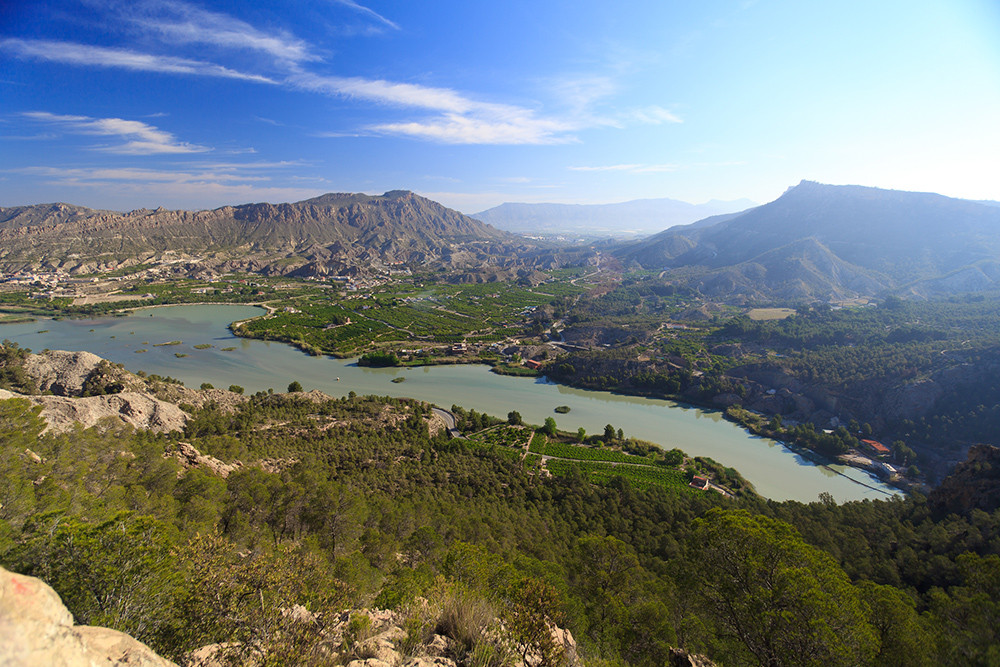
(124, 104)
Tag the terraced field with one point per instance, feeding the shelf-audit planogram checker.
(598, 464)
(641, 476)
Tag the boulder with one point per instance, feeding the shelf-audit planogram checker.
(61, 372)
(37, 629)
(189, 457)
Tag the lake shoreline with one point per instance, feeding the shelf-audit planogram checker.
(447, 361)
(776, 470)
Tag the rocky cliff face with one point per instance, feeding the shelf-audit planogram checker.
(140, 411)
(82, 388)
(37, 629)
(974, 484)
(334, 233)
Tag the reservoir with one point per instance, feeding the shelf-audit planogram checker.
(775, 471)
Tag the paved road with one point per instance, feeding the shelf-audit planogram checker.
(449, 421)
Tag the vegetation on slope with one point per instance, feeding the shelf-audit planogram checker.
(350, 502)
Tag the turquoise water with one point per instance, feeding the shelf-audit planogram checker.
(255, 365)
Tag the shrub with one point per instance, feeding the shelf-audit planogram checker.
(465, 619)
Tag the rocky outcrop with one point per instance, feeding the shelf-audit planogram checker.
(66, 373)
(37, 629)
(189, 457)
(141, 411)
(387, 644)
(88, 389)
(974, 484)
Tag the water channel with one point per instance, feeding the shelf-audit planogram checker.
(775, 471)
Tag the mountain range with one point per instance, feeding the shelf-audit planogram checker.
(816, 241)
(626, 219)
(832, 242)
(330, 234)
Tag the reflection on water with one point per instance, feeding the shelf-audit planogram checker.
(258, 365)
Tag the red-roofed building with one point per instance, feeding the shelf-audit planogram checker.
(876, 447)
(699, 483)
(532, 364)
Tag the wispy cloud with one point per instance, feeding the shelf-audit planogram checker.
(140, 138)
(462, 120)
(71, 53)
(631, 168)
(474, 129)
(45, 136)
(384, 92)
(179, 22)
(85, 175)
(367, 12)
(443, 115)
(581, 93)
(653, 115)
(211, 185)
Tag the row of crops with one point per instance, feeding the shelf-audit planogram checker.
(641, 476)
(566, 451)
(598, 465)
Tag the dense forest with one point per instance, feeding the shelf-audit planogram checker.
(346, 503)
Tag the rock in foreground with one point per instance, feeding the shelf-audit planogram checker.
(37, 629)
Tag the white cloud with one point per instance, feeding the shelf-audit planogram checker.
(367, 12)
(454, 118)
(135, 187)
(140, 138)
(653, 115)
(476, 129)
(385, 92)
(71, 53)
(179, 22)
(223, 172)
(581, 93)
(462, 121)
(462, 130)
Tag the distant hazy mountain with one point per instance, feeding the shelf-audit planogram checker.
(333, 233)
(832, 241)
(631, 218)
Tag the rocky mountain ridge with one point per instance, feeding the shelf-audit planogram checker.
(333, 234)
